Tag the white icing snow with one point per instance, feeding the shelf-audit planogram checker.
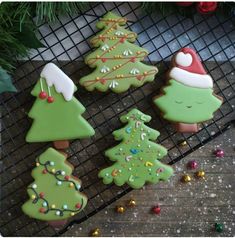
(57, 78)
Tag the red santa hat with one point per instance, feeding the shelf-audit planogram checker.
(189, 70)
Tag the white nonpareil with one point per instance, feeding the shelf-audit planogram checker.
(57, 78)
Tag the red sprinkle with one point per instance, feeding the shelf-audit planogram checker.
(66, 177)
(41, 195)
(44, 171)
(42, 210)
(78, 205)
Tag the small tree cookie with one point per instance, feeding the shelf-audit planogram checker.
(189, 98)
(137, 156)
(56, 112)
(54, 195)
(117, 61)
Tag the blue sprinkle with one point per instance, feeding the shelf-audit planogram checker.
(44, 204)
(65, 206)
(78, 186)
(128, 130)
(134, 151)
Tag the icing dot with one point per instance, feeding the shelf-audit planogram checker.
(59, 182)
(57, 213)
(44, 204)
(34, 186)
(65, 206)
(52, 163)
(62, 172)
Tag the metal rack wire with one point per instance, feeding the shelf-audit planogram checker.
(67, 42)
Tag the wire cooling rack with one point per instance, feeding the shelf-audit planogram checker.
(66, 43)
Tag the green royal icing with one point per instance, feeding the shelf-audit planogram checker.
(136, 157)
(60, 120)
(119, 77)
(50, 179)
(186, 104)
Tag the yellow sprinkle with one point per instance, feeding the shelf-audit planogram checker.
(148, 163)
(114, 68)
(33, 196)
(97, 56)
(37, 164)
(72, 213)
(97, 78)
(138, 52)
(71, 185)
(53, 206)
(53, 171)
(145, 73)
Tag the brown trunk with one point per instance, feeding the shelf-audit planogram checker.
(186, 128)
(57, 224)
(61, 144)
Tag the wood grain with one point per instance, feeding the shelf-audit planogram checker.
(186, 209)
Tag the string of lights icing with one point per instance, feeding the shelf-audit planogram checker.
(46, 206)
(56, 173)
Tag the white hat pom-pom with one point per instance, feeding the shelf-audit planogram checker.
(183, 59)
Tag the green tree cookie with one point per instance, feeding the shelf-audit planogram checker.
(136, 157)
(117, 61)
(185, 104)
(56, 112)
(188, 99)
(54, 195)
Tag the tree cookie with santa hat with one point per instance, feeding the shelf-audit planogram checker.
(188, 99)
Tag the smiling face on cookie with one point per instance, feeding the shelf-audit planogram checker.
(187, 104)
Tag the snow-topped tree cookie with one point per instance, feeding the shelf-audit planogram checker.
(136, 158)
(188, 99)
(116, 61)
(54, 194)
(56, 113)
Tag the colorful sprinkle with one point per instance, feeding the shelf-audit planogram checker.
(131, 178)
(128, 158)
(62, 173)
(53, 206)
(134, 151)
(142, 136)
(65, 206)
(52, 163)
(148, 164)
(59, 183)
(44, 204)
(128, 130)
(57, 213)
(34, 186)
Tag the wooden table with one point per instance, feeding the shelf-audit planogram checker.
(189, 209)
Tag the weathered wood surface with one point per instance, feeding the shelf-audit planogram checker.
(187, 209)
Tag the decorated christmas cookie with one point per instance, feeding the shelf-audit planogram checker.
(188, 99)
(117, 61)
(137, 156)
(56, 112)
(54, 194)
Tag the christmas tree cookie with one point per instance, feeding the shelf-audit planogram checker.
(56, 112)
(116, 61)
(137, 156)
(188, 99)
(54, 194)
